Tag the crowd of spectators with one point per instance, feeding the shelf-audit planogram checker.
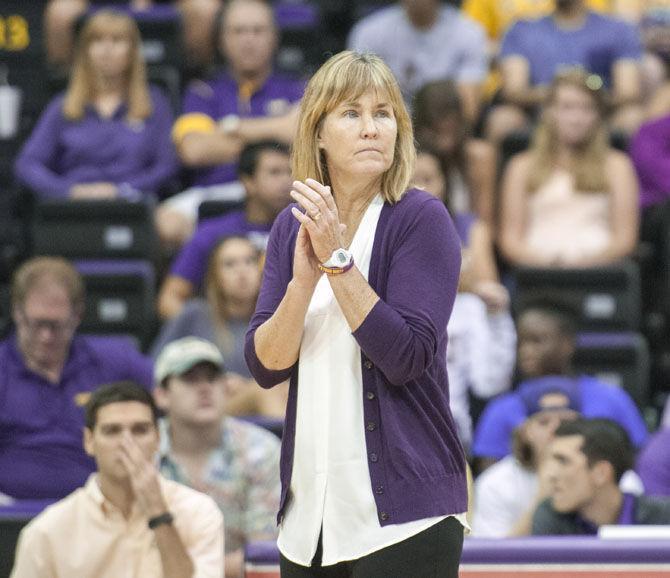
(553, 451)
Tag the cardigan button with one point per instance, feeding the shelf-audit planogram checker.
(379, 490)
(373, 457)
(384, 516)
(372, 426)
(370, 395)
(368, 364)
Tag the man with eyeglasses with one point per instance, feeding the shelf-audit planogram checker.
(47, 373)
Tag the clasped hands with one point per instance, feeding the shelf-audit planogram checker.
(320, 229)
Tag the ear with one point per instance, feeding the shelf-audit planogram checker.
(248, 184)
(602, 473)
(162, 398)
(89, 445)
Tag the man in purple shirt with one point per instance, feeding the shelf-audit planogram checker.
(47, 373)
(265, 172)
(533, 51)
(587, 460)
(247, 103)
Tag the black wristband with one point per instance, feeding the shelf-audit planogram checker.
(165, 518)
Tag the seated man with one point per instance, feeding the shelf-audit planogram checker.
(265, 171)
(546, 333)
(247, 103)
(126, 520)
(533, 51)
(411, 38)
(47, 372)
(587, 459)
(235, 462)
(508, 492)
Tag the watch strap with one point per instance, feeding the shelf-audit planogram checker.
(164, 518)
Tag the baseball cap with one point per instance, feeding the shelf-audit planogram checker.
(532, 391)
(178, 356)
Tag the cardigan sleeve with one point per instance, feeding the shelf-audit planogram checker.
(401, 333)
(277, 273)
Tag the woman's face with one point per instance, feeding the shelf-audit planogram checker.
(574, 115)
(239, 273)
(428, 175)
(358, 137)
(109, 54)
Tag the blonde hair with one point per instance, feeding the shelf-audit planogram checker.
(81, 88)
(54, 270)
(588, 167)
(343, 77)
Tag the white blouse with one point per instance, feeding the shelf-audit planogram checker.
(330, 483)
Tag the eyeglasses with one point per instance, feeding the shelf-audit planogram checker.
(56, 327)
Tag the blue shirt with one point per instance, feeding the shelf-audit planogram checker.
(493, 436)
(191, 262)
(61, 153)
(416, 463)
(596, 46)
(222, 97)
(41, 423)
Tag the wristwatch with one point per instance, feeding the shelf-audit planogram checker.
(164, 518)
(340, 262)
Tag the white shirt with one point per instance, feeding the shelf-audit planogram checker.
(330, 482)
(480, 357)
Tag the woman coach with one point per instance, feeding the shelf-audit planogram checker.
(359, 281)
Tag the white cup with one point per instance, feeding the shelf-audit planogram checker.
(10, 110)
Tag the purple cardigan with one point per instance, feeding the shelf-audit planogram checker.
(416, 462)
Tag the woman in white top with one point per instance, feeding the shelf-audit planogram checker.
(373, 474)
(571, 200)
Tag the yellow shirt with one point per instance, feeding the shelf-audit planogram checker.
(85, 536)
(497, 15)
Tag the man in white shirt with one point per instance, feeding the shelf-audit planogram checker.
(127, 520)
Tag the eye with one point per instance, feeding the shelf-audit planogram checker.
(350, 113)
(383, 113)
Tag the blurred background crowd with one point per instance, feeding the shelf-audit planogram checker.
(145, 152)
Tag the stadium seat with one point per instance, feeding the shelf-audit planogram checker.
(120, 299)
(94, 230)
(299, 49)
(618, 358)
(210, 209)
(606, 298)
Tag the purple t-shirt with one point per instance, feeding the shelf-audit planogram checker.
(653, 464)
(416, 463)
(221, 97)
(138, 156)
(41, 447)
(650, 152)
(596, 46)
(191, 262)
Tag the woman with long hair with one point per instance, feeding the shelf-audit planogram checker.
(468, 163)
(231, 287)
(108, 136)
(571, 200)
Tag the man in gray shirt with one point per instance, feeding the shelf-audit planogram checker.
(587, 459)
(425, 40)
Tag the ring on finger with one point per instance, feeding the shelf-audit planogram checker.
(316, 216)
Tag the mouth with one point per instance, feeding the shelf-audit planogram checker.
(370, 150)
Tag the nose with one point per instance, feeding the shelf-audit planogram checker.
(369, 128)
